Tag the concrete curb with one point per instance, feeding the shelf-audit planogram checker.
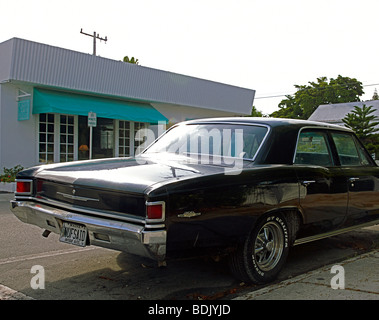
(361, 279)
(8, 187)
(10, 294)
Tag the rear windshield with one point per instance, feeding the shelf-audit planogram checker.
(225, 140)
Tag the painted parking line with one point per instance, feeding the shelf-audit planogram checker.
(7, 293)
(43, 255)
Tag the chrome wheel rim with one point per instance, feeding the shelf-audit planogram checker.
(268, 247)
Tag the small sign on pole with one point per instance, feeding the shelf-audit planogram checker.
(92, 120)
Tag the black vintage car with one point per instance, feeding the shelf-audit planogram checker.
(247, 187)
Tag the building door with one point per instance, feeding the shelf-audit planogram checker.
(103, 140)
(66, 138)
(56, 138)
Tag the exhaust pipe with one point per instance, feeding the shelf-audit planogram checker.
(46, 233)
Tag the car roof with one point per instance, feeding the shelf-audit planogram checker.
(272, 122)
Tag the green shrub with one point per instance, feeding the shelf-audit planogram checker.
(9, 175)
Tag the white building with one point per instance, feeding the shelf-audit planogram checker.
(46, 94)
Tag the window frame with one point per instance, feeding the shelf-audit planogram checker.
(49, 156)
(56, 143)
(333, 148)
(329, 146)
(123, 142)
(67, 155)
(360, 149)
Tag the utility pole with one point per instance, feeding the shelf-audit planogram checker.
(94, 36)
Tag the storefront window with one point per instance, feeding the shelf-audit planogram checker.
(127, 144)
(124, 138)
(140, 140)
(103, 139)
(46, 138)
(66, 138)
(83, 139)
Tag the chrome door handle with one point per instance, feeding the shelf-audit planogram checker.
(352, 180)
(306, 183)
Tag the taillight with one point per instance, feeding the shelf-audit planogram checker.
(24, 187)
(155, 211)
(39, 185)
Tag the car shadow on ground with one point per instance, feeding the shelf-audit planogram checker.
(202, 278)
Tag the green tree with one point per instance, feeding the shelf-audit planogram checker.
(375, 96)
(308, 97)
(131, 60)
(255, 112)
(365, 125)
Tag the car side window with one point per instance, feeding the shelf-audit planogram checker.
(349, 152)
(365, 161)
(313, 149)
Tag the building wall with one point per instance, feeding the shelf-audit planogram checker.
(17, 138)
(176, 113)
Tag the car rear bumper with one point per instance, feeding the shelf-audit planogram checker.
(107, 233)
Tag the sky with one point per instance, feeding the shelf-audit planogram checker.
(268, 46)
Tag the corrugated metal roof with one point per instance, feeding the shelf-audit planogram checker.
(56, 67)
(334, 113)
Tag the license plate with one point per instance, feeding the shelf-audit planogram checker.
(74, 234)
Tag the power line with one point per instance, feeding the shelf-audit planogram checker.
(277, 96)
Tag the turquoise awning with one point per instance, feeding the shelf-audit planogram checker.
(48, 101)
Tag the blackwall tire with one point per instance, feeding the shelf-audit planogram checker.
(262, 255)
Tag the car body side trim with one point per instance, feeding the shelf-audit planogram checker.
(334, 233)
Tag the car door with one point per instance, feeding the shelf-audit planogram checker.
(322, 184)
(362, 176)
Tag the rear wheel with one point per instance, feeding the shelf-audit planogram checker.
(262, 255)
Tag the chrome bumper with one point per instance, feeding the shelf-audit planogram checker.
(107, 233)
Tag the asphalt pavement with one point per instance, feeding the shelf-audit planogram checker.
(353, 279)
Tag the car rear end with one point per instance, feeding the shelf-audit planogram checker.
(88, 215)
